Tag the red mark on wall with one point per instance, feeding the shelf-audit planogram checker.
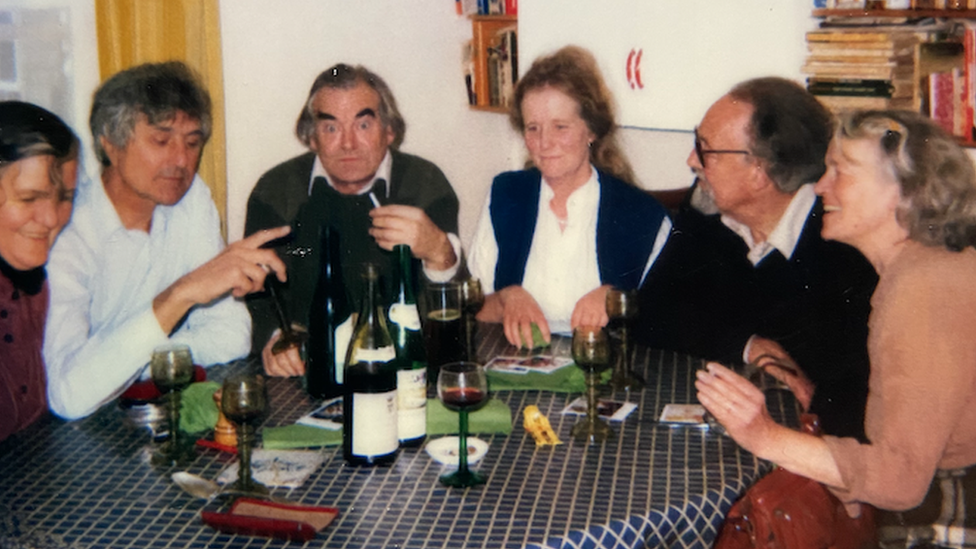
(634, 69)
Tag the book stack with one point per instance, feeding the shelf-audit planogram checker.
(860, 68)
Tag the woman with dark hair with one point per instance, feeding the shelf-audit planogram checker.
(553, 238)
(901, 191)
(38, 168)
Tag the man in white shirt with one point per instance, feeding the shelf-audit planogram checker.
(142, 261)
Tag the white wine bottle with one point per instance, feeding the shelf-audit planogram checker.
(369, 433)
(411, 356)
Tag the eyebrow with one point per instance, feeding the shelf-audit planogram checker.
(327, 116)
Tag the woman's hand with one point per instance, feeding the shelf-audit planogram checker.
(591, 309)
(519, 311)
(768, 355)
(737, 404)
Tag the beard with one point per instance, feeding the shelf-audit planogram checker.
(702, 198)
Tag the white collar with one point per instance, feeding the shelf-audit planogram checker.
(787, 231)
(382, 172)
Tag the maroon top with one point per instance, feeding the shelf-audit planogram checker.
(23, 383)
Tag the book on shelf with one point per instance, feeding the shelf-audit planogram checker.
(511, 7)
(503, 66)
(466, 7)
(858, 87)
(837, 103)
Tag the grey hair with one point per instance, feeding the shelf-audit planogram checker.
(345, 77)
(936, 176)
(154, 90)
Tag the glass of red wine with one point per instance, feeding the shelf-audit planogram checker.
(591, 352)
(244, 400)
(171, 367)
(462, 386)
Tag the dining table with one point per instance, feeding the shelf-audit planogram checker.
(90, 483)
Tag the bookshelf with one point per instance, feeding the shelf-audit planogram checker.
(493, 61)
(923, 59)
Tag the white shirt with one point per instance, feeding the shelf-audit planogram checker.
(787, 231)
(562, 265)
(101, 328)
(384, 172)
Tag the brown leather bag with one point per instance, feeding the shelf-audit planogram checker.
(788, 511)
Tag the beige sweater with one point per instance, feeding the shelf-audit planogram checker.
(921, 410)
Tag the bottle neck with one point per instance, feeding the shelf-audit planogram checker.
(405, 288)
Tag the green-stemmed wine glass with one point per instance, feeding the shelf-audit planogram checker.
(171, 368)
(462, 386)
(591, 352)
(244, 400)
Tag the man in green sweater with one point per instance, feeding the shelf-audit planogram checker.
(353, 129)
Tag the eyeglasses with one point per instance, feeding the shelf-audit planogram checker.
(702, 151)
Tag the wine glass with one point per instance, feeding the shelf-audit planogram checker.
(171, 367)
(591, 352)
(622, 309)
(472, 298)
(462, 386)
(244, 400)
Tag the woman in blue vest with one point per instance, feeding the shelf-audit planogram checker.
(552, 239)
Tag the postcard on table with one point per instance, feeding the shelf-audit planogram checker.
(543, 364)
(326, 416)
(693, 414)
(607, 409)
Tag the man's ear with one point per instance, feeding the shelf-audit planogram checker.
(111, 151)
(390, 136)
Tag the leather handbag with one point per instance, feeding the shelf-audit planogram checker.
(788, 511)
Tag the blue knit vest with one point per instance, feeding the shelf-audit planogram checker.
(628, 221)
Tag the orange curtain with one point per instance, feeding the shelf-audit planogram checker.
(131, 32)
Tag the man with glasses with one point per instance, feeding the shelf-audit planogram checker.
(756, 277)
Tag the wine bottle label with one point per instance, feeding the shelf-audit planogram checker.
(374, 424)
(383, 354)
(412, 424)
(405, 315)
(343, 335)
(411, 389)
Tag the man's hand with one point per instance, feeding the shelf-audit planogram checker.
(766, 353)
(286, 363)
(591, 309)
(398, 224)
(239, 269)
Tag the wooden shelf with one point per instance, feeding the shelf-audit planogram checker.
(910, 14)
(483, 35)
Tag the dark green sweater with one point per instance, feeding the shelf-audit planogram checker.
(280, 197)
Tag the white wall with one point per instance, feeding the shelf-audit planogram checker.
(272, 52)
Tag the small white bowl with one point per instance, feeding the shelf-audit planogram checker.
(445, 450)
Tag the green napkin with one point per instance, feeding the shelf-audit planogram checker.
(537, 341)
(568, 379)
(494, 417)
(299, 436)
(198, 411)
